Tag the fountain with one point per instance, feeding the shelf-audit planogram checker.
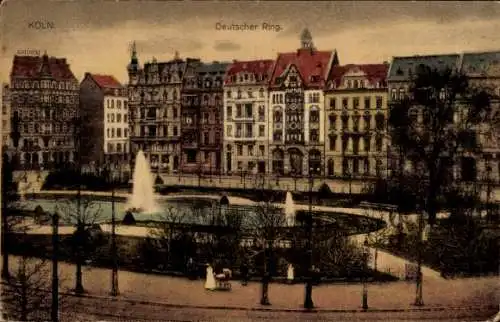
(143, 196)
(289, 210)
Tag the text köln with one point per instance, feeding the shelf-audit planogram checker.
(41, 25)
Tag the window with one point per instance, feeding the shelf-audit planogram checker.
(367, 103)
(262, 116)
(125, 133)
(394, 94)
(249, 130)
(278, 115)
(239, 94)
(262, 130)
(261, 92)
(262, 150)
(333, 103)
(314, 116)
(118, 133)
(250, 94)
(175, 131)
(239, 150)
(229, 130)
(378, 143)
(355, 103)
(239, 110)
(118, 104)
(118, 118)
(248, 110)
(112, 103)
(206, 138)
(229, 113)
(125, 118)
(250, 150)
(228, 94)
(314, 135)
(174, 110)
(345, 103)
(239, 130)
(112, 133)
(217, 137)
(333, 122)
(112, 118)
(108, 133)
(379, 102)
(332, 140)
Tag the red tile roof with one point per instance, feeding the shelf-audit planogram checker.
(308, 62)
(257, 67)
(36, 66)
(106, 81)
(374, 72)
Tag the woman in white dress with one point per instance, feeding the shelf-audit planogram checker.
(290, 273)
(210, 279)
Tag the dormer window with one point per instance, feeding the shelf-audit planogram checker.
(315, 78)
(399, 72)
(293, 79)
(246, 77)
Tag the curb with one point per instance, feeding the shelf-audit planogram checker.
(284, 310)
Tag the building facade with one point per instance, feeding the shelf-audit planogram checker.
(296, 101)
(6, 121)
(482, 70)
(190, 114)
(210, 78)
(44, 105)
(155, 111)
(246, 117)
(104, 106)
(356, 113)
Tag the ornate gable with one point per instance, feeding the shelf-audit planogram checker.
(291, 77)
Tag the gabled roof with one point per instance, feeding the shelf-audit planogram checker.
(41, 66)
(257, 67)
(374, 72)
(484, 64)
(402, 67)
(105, 81)
(308, 63)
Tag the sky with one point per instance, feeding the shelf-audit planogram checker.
(95, 36)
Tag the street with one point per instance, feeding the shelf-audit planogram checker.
(85, 309)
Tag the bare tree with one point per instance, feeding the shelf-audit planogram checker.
(85, 213)
(11, 219)
(26, 295)
(166, 229)
(435, 125)
(266, 227)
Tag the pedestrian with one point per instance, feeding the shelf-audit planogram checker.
(210, 279)
(191, 269)
(244, 273)
(290, 274)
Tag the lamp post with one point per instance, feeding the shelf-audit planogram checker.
(114, 269)
(419, 301)
(308, 301)
(54, 310)
(364, 296)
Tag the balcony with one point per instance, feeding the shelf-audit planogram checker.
(243, 118)
(154, 138)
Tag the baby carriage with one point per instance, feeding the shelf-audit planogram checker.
(222, 280)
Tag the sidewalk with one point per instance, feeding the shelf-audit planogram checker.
(397, 296)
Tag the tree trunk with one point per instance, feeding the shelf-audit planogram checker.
(79, 278)
(264, 300)
(5, 231)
